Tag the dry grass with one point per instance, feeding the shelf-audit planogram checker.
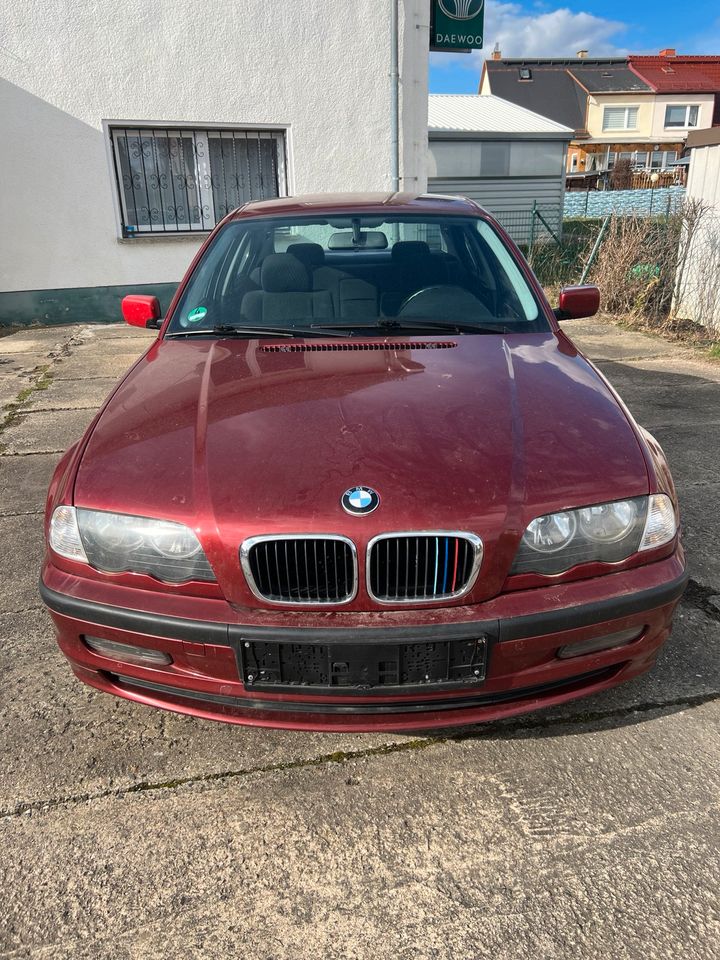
(654, 273)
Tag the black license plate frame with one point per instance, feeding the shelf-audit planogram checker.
(347, 668)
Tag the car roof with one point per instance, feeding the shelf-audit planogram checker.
(313, 203)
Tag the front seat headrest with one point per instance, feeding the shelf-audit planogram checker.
(410, 251)
(283, 273)
(310, 254)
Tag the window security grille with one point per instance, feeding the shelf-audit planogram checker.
(186, 180)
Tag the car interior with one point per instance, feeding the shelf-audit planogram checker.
(276, 274)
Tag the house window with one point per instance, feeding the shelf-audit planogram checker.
(186, 180)
(681, 115)
(525, 73)
(620, 118)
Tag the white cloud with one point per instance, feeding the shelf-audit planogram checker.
(552, 33)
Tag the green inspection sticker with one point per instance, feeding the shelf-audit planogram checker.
(196, 315)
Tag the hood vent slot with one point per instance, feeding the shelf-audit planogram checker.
(356, 345)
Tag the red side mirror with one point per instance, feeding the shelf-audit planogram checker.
(577, 302)
(140, 310)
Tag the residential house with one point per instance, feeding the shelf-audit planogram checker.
(635, 108)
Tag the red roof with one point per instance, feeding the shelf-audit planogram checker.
(681, 74)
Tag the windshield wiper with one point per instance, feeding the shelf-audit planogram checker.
(228, 330)
(411, 324)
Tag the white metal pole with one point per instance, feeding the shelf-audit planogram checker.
(394, 98)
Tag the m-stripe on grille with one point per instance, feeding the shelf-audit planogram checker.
(301, 569)
(428, 566)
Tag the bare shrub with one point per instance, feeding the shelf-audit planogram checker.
(635, 266)
(621, 177)
(663, 272)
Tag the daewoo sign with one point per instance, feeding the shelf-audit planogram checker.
(457, 24)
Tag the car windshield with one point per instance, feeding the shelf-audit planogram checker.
(348, 273)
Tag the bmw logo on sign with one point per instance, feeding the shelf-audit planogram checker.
(360, 500)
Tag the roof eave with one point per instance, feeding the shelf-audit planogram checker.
(439, 133)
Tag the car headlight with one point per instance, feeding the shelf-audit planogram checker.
(118, 543)
(604, 532)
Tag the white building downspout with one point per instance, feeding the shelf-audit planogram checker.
(394, 98)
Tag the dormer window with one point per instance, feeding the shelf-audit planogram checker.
(525, 73)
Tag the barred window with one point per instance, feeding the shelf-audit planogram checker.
(186, 180)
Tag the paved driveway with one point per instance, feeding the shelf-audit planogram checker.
(587, 831)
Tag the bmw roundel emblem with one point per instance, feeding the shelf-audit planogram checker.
(360, 500)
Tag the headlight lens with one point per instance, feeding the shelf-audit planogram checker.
(608, 522)
(118, 543)
(605, 532)
(550, 533)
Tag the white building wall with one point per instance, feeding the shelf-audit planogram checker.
(705, 102)
(697, 283)
(321, 69)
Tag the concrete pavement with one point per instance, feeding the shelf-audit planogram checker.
(587, 831)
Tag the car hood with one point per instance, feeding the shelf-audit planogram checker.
(475, 433)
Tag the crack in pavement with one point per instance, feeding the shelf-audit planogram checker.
(650, 356)
(28, 453)
(344, 756)
(37, 410)
(16, 409)
(17, 613)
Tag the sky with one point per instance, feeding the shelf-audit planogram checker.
(607, 28)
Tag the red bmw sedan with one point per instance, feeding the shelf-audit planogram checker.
(361, 480)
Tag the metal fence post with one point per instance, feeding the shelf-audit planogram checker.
(531, 238)
(595, 249)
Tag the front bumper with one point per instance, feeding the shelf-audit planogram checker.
(522, 632)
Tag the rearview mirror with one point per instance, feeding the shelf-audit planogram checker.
(577, 302)
(140, 310)
(368, 240)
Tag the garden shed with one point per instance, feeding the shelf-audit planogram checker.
(509, 159)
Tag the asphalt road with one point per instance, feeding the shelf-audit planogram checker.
(588, 831)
